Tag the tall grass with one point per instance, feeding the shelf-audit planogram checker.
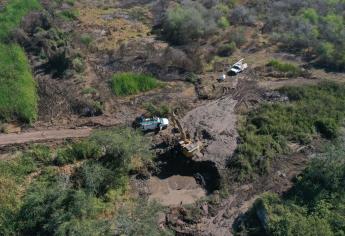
(18, 97)
(313, 110)
(13, 13)
(124, 84)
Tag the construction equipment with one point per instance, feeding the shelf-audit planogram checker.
(237, 68)
(154, 123)
(188, 148)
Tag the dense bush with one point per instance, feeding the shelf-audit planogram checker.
(314, 206)
(49, 208)
(12, 181)
(315, 29)
(128, 222)
(267, 129)
(18, 98)
(124, 84)
(79, 199)
(192, 20)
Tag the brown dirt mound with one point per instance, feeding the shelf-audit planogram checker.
(214, 124)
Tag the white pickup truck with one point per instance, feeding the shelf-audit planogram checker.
(237, 68)
(151, 124)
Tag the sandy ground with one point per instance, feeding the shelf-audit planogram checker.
(214, 124)
(37, 136)
(175, 190)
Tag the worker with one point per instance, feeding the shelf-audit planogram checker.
(222, 78)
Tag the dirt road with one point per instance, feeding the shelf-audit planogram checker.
(47, 135)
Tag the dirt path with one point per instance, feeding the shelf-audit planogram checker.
(47, 135)
(287, 82)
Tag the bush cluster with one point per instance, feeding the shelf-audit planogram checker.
(314, 206)
(83, 201)
(312, 110)
(192, 20)
(315, 29)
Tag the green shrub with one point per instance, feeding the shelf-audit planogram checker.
(95, 178)
(86, 39)
(64, 157)
(40, 154)
(124, 84)
(290, 69)
(328, 128)
(18, 97)
(69, 15)
(86, 150)
(89, 90)
(79, 64)
(223, 22)
(12, 14)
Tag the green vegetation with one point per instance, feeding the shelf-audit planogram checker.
(13, 13)
(314, 29)
(12, 181)
(18, 98)
(193, 20)
(124, 84)
(314, 206)
(69, 15)
(267, 130)
(86, 39)
(157, 110)
(89, 90)
(290, 69)
(227, 49)
(87, 196)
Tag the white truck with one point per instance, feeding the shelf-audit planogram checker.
(237, 68)
(151, 124)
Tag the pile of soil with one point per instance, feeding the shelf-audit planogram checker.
(215, 125)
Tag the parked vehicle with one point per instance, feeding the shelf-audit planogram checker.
(151, 124)
(237, 68)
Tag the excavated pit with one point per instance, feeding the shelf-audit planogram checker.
(180, 180)
(204, 172)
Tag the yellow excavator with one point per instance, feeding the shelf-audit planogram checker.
(189, 149)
